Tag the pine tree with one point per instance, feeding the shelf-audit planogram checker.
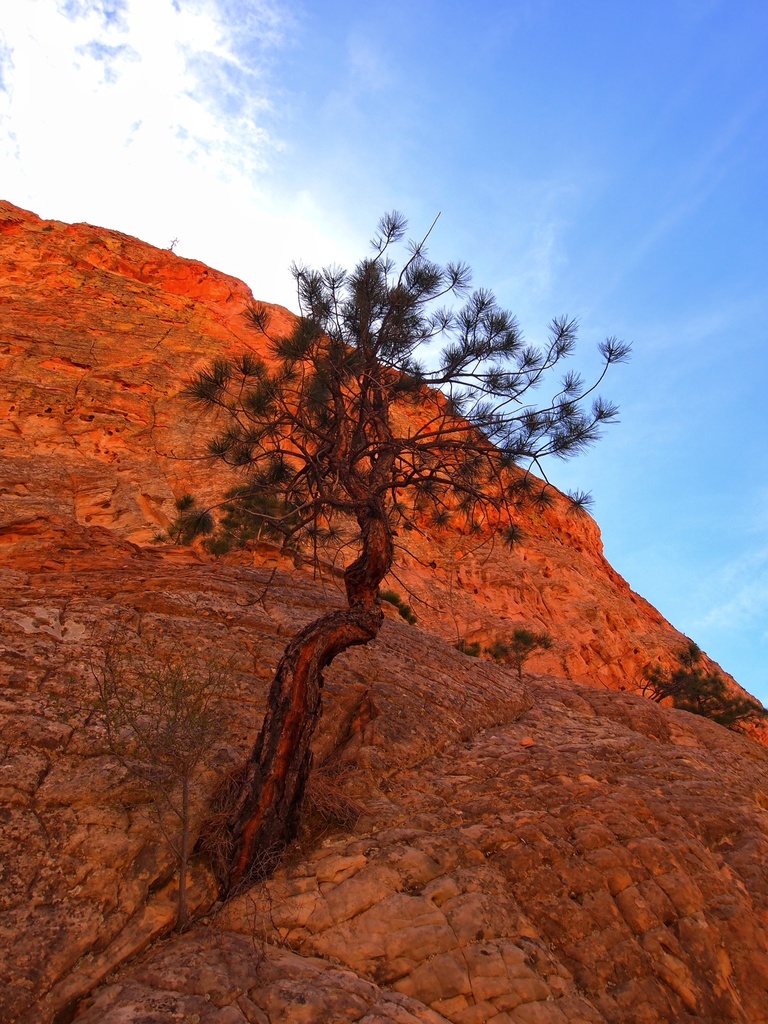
(519, 648)
(351, 422)
(690, 688)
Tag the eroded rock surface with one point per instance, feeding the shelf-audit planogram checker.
(586, 877)
(478, 850)
(98, 334)
(559, 854)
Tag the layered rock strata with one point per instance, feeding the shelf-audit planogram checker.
(544, 853)
(479, 850)
(98, 334)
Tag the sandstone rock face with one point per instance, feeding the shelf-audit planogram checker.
(480, 850)
(560, 854)
(99, 332)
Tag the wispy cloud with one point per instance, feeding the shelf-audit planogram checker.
(89, 67)
(6, 64)
(536, 251)
(153, 117)
(738, 594)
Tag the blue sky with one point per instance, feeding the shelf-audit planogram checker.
(605, 160)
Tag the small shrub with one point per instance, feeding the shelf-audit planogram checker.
(519, 648)
(470, 649)
(219, 545)
(405, 610)
(252, 514)
(161, 715)
(498, 651)
(328, 800)
(523, 643)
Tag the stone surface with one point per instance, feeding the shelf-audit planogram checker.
(479, 850)
(98, 334)
(613, 870)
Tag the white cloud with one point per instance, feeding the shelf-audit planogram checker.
(96, 85)
(153, 117)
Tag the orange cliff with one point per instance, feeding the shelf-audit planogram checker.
(99, 333)
(584, 856)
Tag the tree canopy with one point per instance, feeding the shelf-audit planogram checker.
(690, 688)
(315, 422)
(399, 399)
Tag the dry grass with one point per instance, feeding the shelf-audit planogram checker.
(328, 808)
(327, 799)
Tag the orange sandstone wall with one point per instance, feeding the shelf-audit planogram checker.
(98, 333)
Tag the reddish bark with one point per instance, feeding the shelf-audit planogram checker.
(266, 815)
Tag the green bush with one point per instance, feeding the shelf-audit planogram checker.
(393, 598)
(470, 649)
(251, 514)
(518, 649)
(690, 688)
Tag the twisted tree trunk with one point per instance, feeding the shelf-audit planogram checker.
(266, 814)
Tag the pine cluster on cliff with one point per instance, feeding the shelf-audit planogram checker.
(689, 688)
(350, 421)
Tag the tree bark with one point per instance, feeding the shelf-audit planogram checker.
(266, 815)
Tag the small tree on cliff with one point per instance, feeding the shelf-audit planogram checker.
(344, 424)
(690, 688)
(161, 715)
(519, 648)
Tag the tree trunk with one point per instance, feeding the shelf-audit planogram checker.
(265, 817)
